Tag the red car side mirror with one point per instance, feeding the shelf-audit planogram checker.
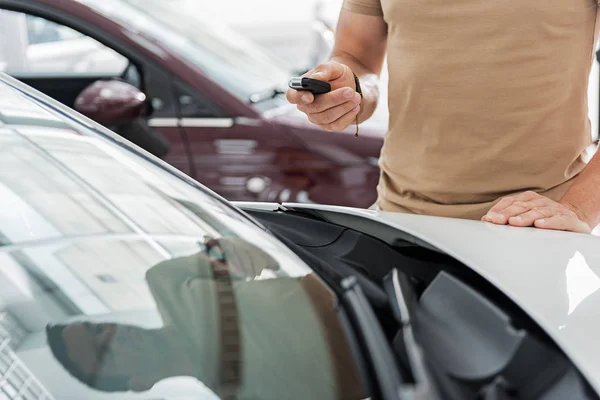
(111, 101)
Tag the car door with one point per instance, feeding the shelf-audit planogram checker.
(62, 62)
(247, 159)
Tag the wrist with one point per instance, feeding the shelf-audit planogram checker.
(581, 214)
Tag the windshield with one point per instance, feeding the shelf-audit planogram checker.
(119, 278)
(185, 27)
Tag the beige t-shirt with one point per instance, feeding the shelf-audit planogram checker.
(487, 98)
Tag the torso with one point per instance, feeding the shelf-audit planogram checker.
(487, 98)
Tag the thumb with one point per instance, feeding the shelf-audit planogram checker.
(328, 72)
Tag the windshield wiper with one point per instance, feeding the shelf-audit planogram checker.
(372, 339)
(423, 387)
(265, 95)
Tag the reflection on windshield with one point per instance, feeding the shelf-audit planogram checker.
(240, 336)
(184, 26)
(18, 381)
(151, 284)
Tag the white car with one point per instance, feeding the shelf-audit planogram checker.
(124, 278)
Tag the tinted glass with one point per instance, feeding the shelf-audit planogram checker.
(119, 279)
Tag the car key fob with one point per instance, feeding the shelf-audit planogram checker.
(314, 86)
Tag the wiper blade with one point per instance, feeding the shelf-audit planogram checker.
(374, 343)
(266, 95)
(423, 387)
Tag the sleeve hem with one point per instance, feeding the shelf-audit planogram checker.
(364, 9)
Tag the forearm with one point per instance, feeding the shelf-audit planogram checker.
(584, 194)
(360, 44)
(369, 83)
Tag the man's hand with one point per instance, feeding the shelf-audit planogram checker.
(333, 111)
(532, 209)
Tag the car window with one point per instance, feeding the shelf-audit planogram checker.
(34, 45)
(40, 30)
(192, 104)
(119, 277)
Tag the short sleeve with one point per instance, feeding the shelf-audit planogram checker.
(367, 7)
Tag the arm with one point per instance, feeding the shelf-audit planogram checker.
(583, 197)
(360, 44)
(360, 48)
(577, 211)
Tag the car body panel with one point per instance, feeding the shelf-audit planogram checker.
(553, 276)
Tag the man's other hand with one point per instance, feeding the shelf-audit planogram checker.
(532, 209)
(333, 111)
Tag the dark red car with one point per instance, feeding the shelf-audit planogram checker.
(192, 93)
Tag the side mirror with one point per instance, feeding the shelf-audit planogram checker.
(111, 102)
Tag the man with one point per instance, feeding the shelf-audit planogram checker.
(241, 335)
(487, 101)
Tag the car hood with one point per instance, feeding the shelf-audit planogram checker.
(553, 276)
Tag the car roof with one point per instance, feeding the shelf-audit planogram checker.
(553, 276)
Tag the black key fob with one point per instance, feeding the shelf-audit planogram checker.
(314, 86)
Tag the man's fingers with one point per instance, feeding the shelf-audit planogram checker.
(333, 114)
(328, 110)
(329, 100)
(563, 222)
(529, 217)
(513, 205)
(328, 71)
(293, 96)
(343, 122)
(307, 97)
(299, 96)
(502, 204)
(528, 196)
(502, 215)
(521, 207)
(532, 209)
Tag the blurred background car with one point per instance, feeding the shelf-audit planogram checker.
(214, 104)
